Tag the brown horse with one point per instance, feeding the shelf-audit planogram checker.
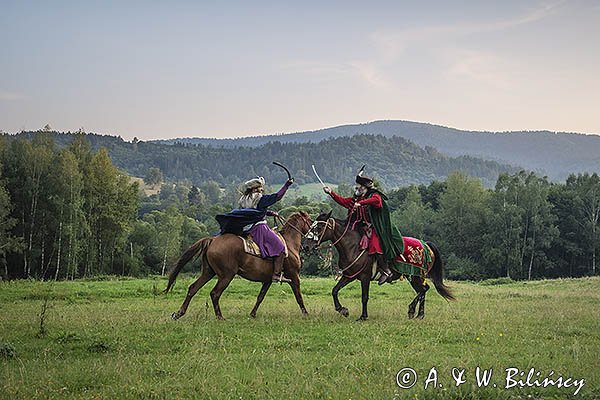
(357, 264)
(224, 256)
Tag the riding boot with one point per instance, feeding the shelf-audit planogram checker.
(278, 268)
(386, 274)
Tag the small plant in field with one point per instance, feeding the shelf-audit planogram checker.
(43, 315)
(7, 350)
(99, 346)
(155, 291)
(65, 337)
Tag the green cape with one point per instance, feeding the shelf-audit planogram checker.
(389, 236)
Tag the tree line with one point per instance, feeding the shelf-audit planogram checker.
(395, 160)
(67, 212)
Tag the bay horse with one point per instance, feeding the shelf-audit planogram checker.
(224, 256)
(357, 264)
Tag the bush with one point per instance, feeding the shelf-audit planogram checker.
(496, 281)
(7, 350)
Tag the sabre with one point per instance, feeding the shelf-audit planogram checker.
(286, 170)
(317, 175)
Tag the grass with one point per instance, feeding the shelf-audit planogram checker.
(148, 190)
(313, 191)
(114, 339)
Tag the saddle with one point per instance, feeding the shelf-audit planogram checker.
(250, 246)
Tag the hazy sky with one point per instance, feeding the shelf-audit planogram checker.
(160, 69)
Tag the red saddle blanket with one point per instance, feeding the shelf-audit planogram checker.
(415, 259)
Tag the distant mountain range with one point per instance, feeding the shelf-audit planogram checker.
(397, 153)
(553, 154)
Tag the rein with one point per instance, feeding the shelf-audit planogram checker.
(316, 223)
(332, 228)
(343, 234)
(352, 263)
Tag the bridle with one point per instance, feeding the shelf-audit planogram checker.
(288, 223)
(315, 224)
(333, 225)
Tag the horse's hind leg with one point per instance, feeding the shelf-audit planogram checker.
(263, 291)
(207, 275)
(412, 306)
(217, 291)
(416, 285)
(419, 285)
(295, 284)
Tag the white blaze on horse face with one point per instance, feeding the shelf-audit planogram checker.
(310, 235)
(313, 234)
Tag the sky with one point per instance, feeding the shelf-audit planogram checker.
(157, 69)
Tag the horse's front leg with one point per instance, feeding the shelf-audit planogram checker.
(334, 292)
(365, 282)
(295, 284)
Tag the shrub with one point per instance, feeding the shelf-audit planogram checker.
(7, 350)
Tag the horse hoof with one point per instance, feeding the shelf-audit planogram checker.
(220, 318)
(420, 316)
(411, 315)
(362, 318)
(253, 315)
(304, 313)
(344, 311)
(175, 316)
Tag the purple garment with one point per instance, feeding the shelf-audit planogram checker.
(268, 242)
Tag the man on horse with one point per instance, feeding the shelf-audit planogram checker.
(250, 218)
(369, 207)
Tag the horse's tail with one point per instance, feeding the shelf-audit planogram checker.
(437, 274)
(197, 249)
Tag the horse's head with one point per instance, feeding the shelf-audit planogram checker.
(320, 231)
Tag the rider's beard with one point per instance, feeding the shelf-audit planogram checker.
(250, 200)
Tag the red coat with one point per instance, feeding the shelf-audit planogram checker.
(362, 214)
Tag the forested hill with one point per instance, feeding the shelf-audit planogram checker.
(395, 161)
(553, 154)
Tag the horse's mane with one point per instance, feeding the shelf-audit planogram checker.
(296, 216)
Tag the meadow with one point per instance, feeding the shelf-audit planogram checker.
(114, 339)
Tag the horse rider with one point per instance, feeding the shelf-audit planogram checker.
(369, 206)
(251, 218)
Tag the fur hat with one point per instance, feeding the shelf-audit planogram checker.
(364, 180)
(254, 183)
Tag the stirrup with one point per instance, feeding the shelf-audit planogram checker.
(281, 278)
(385, 276)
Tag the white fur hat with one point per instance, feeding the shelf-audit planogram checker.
(254, 183)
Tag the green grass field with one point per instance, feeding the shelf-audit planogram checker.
(114, 339)
(313, 191)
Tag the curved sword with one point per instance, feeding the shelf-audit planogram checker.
(317, 175)
(286, 170)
